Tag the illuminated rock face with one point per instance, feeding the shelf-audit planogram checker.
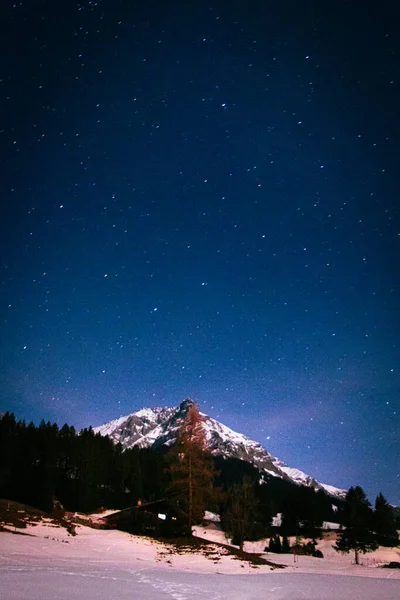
(159, 426)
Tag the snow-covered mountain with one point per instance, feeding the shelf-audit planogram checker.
(160, 426)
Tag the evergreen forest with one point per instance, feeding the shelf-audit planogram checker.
(84, 471)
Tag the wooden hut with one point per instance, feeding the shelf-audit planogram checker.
(159, 518)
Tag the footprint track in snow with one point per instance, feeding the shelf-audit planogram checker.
(177, 591)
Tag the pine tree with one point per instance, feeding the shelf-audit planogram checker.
(191, 469)
(275, 544)
(9, 445)
(357, 534)
(285, 545)
(384, 523)
(311, 514)
(291, 523)
(271, 545)
(242, 519)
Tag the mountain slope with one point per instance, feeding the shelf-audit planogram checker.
(159, 426)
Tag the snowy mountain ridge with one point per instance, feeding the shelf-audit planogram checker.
(159, 426)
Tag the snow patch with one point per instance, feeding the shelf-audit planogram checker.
(210, 516)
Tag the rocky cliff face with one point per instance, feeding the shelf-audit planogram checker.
(159, 426)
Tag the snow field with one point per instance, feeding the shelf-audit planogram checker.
(114, 547)
(332, 563)
(50, 564)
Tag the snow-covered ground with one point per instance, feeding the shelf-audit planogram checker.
(50, 564)
(109, 547)
(78, 582)
(332, 563)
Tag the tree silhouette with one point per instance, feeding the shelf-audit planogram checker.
(357, 533)
(191, 468)
(275, 544)
(384, 523)
(242, 518)
(312, 517)
(285, 545)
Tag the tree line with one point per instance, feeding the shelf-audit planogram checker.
(84, 471)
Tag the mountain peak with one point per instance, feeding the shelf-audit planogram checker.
(160, 426)
(186, 404)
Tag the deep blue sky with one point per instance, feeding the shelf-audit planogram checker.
(202, 199)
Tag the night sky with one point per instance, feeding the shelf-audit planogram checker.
(201, 199)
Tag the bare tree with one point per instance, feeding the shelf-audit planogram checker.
(241, 518)
(191, 469)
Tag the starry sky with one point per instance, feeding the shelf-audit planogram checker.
(201, 199)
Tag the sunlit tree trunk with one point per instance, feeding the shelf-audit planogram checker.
(191, 469)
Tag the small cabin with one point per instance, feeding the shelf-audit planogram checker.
(159, 518)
